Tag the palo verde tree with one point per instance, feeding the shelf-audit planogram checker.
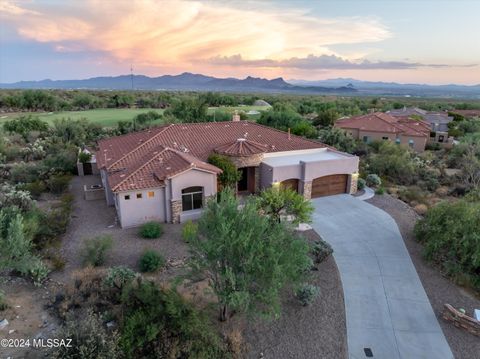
(275, 202)
(247, 258)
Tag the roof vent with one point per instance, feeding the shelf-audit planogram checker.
(245, 134)
(241, 139)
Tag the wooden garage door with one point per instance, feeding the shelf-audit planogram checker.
(329, 185)
(291, 183)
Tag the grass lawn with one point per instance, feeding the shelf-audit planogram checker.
(106, 117)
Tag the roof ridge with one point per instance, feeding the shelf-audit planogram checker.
(139, 168)
(140, 145)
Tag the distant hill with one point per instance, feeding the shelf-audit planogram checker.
(397, 89)
(185, 81)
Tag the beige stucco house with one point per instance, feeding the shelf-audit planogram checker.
(379, 126)
(162, 174)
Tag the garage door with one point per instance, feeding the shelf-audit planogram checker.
(291, 183)
(329, 185)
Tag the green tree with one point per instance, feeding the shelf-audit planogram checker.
(327, 117)
(275, 202)
(247, 258)
(338, 138)
(230, 174)
(189, 110)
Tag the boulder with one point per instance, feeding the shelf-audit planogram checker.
(421, 209)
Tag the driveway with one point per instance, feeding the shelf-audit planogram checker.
(386, 307)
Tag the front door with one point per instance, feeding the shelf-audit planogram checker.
(247, 182)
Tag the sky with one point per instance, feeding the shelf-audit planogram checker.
(422, 41)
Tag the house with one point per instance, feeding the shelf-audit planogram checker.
(162, 174)
(438, 123)
(468, 114)
(383, 126)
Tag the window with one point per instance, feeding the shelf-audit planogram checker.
(385, 138)
(192, 198)
(441, 138)
(151, 194)
(397, 141)
(127, 197)
(139, 195)
(365, 139)
(411, 142)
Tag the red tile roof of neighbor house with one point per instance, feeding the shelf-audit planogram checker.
(145, 159)
(467, 113)
(383, 122)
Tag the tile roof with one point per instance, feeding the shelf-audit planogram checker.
(145, 159)
(384, 122)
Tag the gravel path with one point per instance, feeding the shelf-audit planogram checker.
(93, 218)
(315, 331)
(440, 290)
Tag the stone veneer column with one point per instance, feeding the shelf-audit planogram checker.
(176, 210)
(307, 190)
(353, 178)
(257, 179)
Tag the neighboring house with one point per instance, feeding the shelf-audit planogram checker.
(162, 174)
(382, 126)
(468, 114)
(438, 122)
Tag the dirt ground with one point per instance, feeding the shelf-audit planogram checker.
(440, 290)
(28, 316)
(315, 331)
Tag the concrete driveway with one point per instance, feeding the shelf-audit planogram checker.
(387, 309)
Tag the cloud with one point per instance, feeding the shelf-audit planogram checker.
(162, 33)
(322, 62)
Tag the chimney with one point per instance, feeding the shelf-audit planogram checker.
(236, 116)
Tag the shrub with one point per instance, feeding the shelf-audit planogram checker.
(10, 196)
(189, 231)
(159, 323)
(118, 277)
(380, 191)
(90, 339)
(230, 174)
(450, 233)
(38, 271)
(150, 261)
(320, 250)
(3, 301)
(307, 293)
(35, 188)
(361, 184)
(373, 180)
(84, 157)
(151, 230)
(95, 249)
(58, 183)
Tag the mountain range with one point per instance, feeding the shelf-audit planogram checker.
(184, 81)
(198, 82)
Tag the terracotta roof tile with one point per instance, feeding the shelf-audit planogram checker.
(241, 147)
(144, 159)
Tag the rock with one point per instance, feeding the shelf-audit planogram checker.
(111, 324)
(421, 209)
(3, 323)
(11, 331)
(450, 172)
(442, 191)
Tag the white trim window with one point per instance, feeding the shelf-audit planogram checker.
(192, 198)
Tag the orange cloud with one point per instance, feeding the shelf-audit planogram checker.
(175, 33)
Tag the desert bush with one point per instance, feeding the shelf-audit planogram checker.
(118, 277)
(412, 194)
(450, 233)
(151, 230)
(159, 323)
(22, 172)
(307, 293)
(189, 231)
(320, 250)
(53, 223)
(150, 261)
(95, 249)
(361, 183)
(58, 183)
(84, 157)
(373, 180)
(3, 301)
(11, 196)
(90, 339)
(380, 191)
(35, 188)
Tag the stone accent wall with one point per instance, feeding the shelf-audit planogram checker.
(208, 198)
(176, 210)
(307, 190)
(257, 179)
(250, 161)
(353, 183)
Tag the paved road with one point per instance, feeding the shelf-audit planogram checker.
(387, 309)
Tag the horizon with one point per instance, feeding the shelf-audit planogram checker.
(408, 42)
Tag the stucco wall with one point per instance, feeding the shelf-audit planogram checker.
(313, 170)
(136, 211)
(266, 175)
(418, 142)
(193, 178)
(108, 191)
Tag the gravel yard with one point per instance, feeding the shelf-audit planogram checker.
(93, 218)
(440, 290)
(315, 331)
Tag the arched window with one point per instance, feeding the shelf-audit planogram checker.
(192, 198)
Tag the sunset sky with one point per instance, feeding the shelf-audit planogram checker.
(423, 41)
